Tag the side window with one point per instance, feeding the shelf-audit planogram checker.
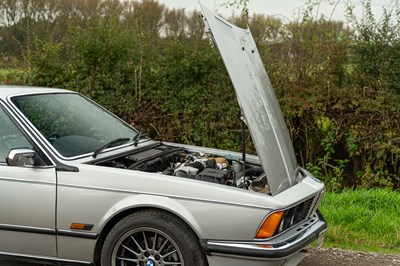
(10, 136)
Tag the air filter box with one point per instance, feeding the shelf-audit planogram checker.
(212, 175)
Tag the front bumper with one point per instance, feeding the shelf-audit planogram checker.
(281, 247)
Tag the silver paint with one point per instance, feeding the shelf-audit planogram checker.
(46, 200)
(257, 100)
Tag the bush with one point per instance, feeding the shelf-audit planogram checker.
(337, 86)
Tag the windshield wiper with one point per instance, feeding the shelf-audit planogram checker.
(108, 144)
(135, 140)
(137, 137)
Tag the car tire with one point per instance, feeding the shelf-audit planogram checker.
(151, 237)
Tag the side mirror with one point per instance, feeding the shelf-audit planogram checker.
(21, 157)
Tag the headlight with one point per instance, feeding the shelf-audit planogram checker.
(279, 221)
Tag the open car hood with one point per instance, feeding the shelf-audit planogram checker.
(257, 100)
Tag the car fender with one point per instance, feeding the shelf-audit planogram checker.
(141, 201)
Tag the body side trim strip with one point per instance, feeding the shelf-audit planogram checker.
(62, 232)
(27, 229)
(47, 231)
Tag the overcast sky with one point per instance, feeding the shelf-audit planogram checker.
(282, 8)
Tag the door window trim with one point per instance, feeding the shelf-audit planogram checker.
(48, 161)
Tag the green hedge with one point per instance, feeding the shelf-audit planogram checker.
(338, 88)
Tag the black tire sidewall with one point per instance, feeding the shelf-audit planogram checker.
(168, 224)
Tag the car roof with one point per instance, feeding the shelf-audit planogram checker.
(11, 90)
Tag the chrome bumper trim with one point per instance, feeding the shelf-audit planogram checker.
(269, 249)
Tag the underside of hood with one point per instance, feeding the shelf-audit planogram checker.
(257, 100)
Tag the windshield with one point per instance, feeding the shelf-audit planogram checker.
(71, 123)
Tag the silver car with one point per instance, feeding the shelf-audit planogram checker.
(79, 185)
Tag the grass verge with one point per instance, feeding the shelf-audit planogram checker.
(364, 220)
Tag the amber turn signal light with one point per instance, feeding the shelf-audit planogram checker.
(269, 226)
(80, 226)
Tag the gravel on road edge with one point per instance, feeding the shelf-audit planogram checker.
(335, 256)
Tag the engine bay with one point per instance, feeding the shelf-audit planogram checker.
(177, 161)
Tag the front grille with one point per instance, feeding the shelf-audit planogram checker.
(295, 215)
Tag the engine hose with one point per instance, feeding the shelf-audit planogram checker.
(250, 171)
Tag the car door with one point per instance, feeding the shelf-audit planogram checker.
(27, 195)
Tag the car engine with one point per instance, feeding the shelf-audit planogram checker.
(176, 161)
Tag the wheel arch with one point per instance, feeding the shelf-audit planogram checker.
(117, 216)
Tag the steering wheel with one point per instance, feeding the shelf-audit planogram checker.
(52, 136)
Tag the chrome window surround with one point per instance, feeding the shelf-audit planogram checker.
(24, 128)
